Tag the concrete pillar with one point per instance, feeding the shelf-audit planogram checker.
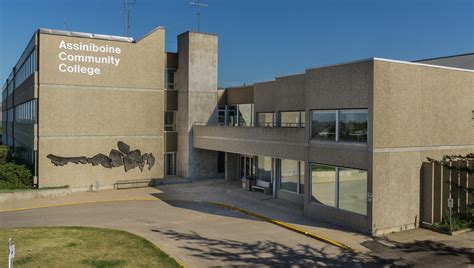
(197, 101)
(232, 166)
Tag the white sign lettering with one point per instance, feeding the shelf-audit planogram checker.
(81, 64)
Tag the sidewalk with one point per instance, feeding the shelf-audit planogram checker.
(81, 197)
(231, 193)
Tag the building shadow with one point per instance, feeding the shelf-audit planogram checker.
(230, 193)
(270, 253)
(422, 253)
(207, 208)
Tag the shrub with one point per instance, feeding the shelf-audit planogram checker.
(13, 176)
(459, 221)
(4, 150)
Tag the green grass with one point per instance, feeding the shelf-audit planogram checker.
(81, 247)
(33, 189)
(459, 221)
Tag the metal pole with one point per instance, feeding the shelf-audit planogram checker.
(11, 253)
(450, 220)
(198, 14)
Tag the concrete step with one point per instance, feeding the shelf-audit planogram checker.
(171, 180)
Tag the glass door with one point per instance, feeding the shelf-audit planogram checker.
(170, 164)
(247, 166)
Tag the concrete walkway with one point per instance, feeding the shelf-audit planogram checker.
(201, 235)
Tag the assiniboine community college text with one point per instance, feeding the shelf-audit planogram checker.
(79, 63)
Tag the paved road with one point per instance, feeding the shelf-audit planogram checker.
(196, 237)
(201, 235)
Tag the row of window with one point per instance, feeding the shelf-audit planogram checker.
(326, 125)
(26, 112)
(282, 119)
(240, 115)
(7, 115)
(339, 187)
(26, 69)
(24, 152)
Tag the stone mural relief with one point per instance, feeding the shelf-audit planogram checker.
(116, 158)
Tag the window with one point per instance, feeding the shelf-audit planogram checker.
(353, 190)
(227, 115)
(264, 168)
(221, 110)
(26, 112)
(292, 119)
(289, 176)
(170, 164)
(266, 119)
(27, 68)
(292, 175)
(339, 125)
(245, 112)
(169, 78)
(323, 184)
(339, 187)
(323, 125)
(170, 120)
(353, 125)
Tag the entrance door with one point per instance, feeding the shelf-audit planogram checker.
(170, 164)
(247, 166)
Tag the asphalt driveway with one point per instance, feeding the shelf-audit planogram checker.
(202, 235)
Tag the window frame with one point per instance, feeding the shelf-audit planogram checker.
(337, 130)
(299, 167)
(173, 125)
(337, 188)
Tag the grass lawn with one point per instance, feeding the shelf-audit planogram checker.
(81, 247)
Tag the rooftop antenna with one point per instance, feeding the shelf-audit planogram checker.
(198, 4)
(126, 16)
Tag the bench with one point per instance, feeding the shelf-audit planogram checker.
(263, 186)
(126, 184)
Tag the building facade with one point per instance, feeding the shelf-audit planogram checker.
(86, 109)
(346, 143)
(343, 143)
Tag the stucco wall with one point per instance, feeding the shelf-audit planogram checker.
(83, 115)
(419, 112)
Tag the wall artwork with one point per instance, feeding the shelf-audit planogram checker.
(116, 158)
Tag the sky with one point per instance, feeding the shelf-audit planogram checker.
(261, 39)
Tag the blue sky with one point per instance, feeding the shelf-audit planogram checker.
(261, 39)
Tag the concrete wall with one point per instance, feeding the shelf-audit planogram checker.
(345, 86)
(465, 61)
(83, 115)
(418, 112)
(197, 101)
(239, 95)
(285, 143)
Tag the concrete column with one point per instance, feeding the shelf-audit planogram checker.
(197, 101)
(231, 166)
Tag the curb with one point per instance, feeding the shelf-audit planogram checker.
(79, 203)
(284, 225)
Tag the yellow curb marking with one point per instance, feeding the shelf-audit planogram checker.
(284, 225)
(79, 203)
